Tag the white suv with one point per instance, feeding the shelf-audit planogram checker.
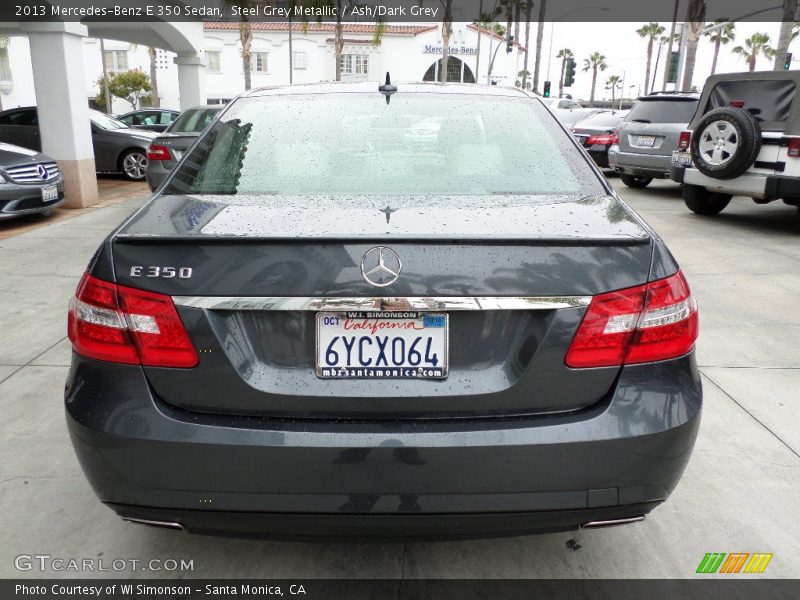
(744, 140)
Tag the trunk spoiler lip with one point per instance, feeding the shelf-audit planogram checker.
(137, 238)
(381, 303)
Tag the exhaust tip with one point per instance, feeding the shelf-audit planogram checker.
(163, 524)
(612, 522)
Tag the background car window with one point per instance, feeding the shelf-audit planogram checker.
(149, 119)
(127, 119)
(166, 117)
(23, 118)
(663, 111)
(193, 120)
(359, 144)
(603, 119)
(103, 121)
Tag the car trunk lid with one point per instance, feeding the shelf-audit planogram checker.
(514, 282)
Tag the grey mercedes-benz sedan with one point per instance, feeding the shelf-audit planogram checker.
(413, 310)
(30, 182)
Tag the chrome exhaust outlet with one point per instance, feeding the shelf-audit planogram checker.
(612, 522)
(151, 523)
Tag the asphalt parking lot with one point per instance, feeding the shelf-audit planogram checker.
(740, 493)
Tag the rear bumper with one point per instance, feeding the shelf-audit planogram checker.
(156, 173)
(634, 163)
(753, 185)
(471, 477)
(599, 155)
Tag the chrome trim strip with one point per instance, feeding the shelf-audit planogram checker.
(446, 303)
(150, 522)
(612, 522)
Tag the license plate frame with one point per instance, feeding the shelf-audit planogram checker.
(49, 193)
(437, 326)
(646, 141)
(681, 159)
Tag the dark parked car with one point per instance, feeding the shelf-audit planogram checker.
(117, 147)
(168, 148)
(151, 119)
(30, 182)
(353, 317)
(597, 133)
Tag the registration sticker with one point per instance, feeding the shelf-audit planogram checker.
(382, 345)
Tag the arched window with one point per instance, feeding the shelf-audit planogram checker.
(457, 71)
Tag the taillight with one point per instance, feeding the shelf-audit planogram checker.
(605, 139)
(647, 323)
(158, 152)
(794, 146)
(125, 325)
(684, 139)
(736, 103)
(615, 137)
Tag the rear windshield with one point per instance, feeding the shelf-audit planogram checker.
(663, 111)
(766, 100)
(193, 120)
(356, 143)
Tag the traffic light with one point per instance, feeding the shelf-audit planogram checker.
(546, 93)
(569, 72)
(509, 43)
(787, 62)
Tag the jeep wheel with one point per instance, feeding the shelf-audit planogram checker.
(726, 143)
(634, 181)
(699, 200)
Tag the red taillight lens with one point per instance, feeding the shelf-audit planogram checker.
(794, 147)
(158, 152)
(684, 139)
(737, 103)
(647, 323)
(125, 325)
(605, 139)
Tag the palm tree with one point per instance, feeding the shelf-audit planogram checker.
(756, 44)
(526, 9)
(695, 23)
(595, 62)
(786, 34)
(613, 83)
(664, 40)
(563, 55)
(539, 37)
(155, 101)
(245, 35)
(720, 36)
(650, 32)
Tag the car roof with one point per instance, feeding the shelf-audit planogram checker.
(473, 89)
(679, 96)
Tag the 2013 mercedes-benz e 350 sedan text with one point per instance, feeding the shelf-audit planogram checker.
(412, 311)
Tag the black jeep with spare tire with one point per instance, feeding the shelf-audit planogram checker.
(744, 140)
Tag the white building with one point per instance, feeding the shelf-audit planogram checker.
(408, 52)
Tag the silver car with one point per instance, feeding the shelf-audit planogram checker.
(30, 182)
(649, 135)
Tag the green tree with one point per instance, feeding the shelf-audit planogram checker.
(757, 44)
(613, 83)
(649, 32)
(245, 35)
(539, 38)
(720, 36)
(155, 100)
(596, 62)
(563, 54)
(133, 86)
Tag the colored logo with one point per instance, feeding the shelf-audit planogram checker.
(733, 563)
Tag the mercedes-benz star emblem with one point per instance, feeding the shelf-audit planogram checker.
(380, 266)
(44, 174)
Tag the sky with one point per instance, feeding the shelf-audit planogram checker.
(626, 51)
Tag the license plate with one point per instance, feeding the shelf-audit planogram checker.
(646, 141)
(49, 193)
(682, 159)
(382, 345)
